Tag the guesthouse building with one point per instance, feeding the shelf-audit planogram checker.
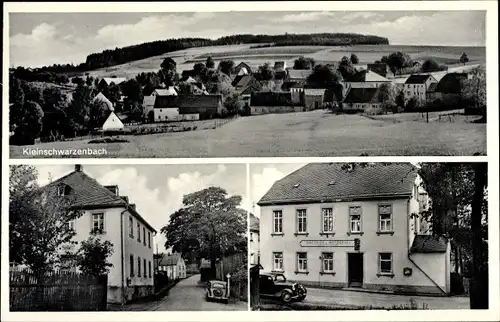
(353, 226)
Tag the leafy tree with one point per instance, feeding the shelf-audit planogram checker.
(266, 72)
(210, 62)
(89, 81)
(168, 69)
(98, 113)
(474, 88)
(38, 221)
(384, 59)
(464, 59)
(199, 69)
(430, 65)
(388, 93)
(412, 105)
(400, 99)
(16, 98)
(133, 91)
(354, 59)
(232, 104)
(325, 76)
(30, 118)
(226, 66)
(304, 63)
(77, 81)
(209, 223)
(33, 93)
(113, 93)
(78, 109)
(397, 61)
(93, 256)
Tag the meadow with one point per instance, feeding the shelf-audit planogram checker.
(185, 59)
(307, 134)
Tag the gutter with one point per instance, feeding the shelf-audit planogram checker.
(409, 252)
(333, 199)
(122, 254)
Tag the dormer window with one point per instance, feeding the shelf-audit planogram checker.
(63, 190)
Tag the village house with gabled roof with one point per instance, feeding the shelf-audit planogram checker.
(365, 100)
(354, 226)
(110, 216)
(416, 86)
(173, 264)
(187, 107)
(449, 88)
(365, 79)
(298, 75)
(115, 80)
(101, 98)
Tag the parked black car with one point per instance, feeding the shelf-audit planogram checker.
(275, 285)
(217, 291)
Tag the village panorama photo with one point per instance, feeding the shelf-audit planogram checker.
(369, 236)
(231, 84)
(128, 238)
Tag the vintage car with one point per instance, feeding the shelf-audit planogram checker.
(275, 285)
(217, 291)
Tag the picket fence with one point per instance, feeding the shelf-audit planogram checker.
(57, 291)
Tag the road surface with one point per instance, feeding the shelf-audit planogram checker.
(379, 300)
(187, 295)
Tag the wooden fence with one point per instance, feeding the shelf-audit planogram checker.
(236, 265)
(57, 291)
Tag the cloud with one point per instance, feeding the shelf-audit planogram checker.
(261, 182)
(307, 16)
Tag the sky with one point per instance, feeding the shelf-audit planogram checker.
(38, 39)
(157, 190)
(262, 178)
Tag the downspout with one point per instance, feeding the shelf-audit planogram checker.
(122, 254)
(409, 252)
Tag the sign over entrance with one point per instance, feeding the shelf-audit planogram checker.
(327, 243)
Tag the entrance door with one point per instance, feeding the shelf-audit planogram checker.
(316, 105)
(355, 269)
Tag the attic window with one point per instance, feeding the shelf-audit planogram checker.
(296, 185)
(62, 190)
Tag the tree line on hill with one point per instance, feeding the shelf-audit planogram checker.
(117, 56)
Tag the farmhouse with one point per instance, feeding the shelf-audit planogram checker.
(240, 83)
(114, 80)
(416, 86)
(112, 123)
(111, 217)
(345, 225)
(313, 98)
(365, 79)
(173, 264)
(362, 99)
(379, 68)
(298, 75)
(448, 89)
(253, 244)
(187, 107)
(101, 99)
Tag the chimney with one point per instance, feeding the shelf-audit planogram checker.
(113, 189)
(78, 168)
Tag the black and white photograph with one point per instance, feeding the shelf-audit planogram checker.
(233, 84)
(128, 238)
(369, 236)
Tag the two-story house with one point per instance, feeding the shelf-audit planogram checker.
(417, 86)
(173, 264)
(253, 244)
(107, 215)
(352, 226)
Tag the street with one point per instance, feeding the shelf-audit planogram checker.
(378, 300)
(187, 295)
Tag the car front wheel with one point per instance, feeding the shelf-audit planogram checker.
(286, 296)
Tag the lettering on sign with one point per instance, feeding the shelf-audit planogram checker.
(327, 243)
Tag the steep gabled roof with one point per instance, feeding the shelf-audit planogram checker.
(363, 95)
(166, 91)
(170, 260)
(417, 79)
(87, 193)
(242, 81)
(116, 80)
(366, 76)
(327, 182)
(102, 98)
(202, 101)
(429, 244)
(254, 223)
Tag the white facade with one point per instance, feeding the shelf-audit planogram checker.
(175, 270)
(253, 246)
(313, 243)
(112, 123)
(172, 114)
(418, 91)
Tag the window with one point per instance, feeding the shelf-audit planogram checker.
(302, 262)
(278, 261)
(144, 272)
(149, 239)
(131, 265)
(149, 269)
(327, 215)
(131, 227)
(385, 218)
(327, 259)
(138, 266)
(71, 224)
(251, 237)
(97, 222)
(301, 221)
(139, 232)
(355, 219)
(144, 235)
(61, 190)
(385, 263)
(277, 222)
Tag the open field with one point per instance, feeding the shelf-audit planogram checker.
(307, 134)
(185, 59)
